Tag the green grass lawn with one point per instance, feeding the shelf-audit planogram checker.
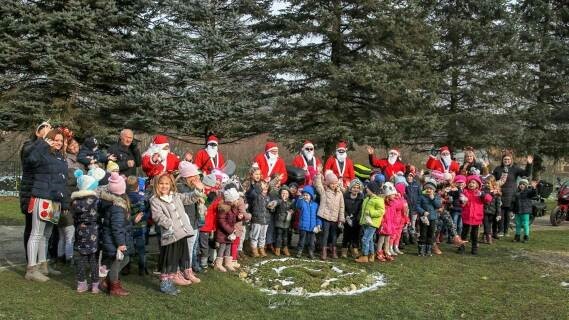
(506, 281)
(10, 214)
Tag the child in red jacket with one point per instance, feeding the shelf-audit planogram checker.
(473, 200)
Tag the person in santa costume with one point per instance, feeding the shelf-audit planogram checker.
(307, 161)
(445, 165)
(158, 158)
(341, 165)
(390, 165)
(270, 164)
(209, 158)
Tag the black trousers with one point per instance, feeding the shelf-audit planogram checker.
(427, 232)
(490, 225)
(473, 230)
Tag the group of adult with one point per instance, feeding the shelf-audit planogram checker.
(49, 159)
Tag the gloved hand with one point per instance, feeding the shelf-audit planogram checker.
(349, 221)
(341, 225)
(317, 229)
(498, 218)
(120, 255)
(425, 220)
(426, 214)
(232, 237)
(368, 220)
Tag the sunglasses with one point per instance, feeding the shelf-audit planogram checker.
(392, 154)
(341, 151)
(212, 144)
(309, 149)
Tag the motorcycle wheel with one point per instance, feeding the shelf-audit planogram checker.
(556, 217)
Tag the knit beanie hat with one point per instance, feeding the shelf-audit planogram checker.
(91, 143)
(374, 187)
(399, 179)
(389, 189)
(230, 195)
(210, 180)
(330, 177)
(188, 169)
(85, 182)
(460, 179)
(430, 183)
(523, 181)
(97, 173)
(112, 167)
(354, 182)
(117, 185)
(379, 178)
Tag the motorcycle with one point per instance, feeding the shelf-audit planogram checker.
(539, 208)
(561, 211)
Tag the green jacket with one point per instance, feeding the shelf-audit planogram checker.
(374, 207)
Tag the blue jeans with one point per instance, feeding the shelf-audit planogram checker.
(457, 220)
(367, 240)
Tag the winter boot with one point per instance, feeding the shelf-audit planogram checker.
(324, 253)
(334, 253)
(429, 250)
(392, 251)
(82, 286)
(278, 252)
(517, 238)
(299, 254)
(262, 252)
(474, 250)
(235, 264)
(436, 249)
(355, 252)
(389, 257)
(286, 252)
(381, 256)
(362, 259)
(461, 249)
(457, 241)
(168, 287)
(311, 255)
(526, 239)
(218, 265)
(254, 252)
(33, 274)
(421, 250)
(189, 275)
(396, 249)
(489, 239)
(371, 257)
(118, 290)
(228, 264)
(344, 252)
(95, 287)
(203, 262)
(104, 284)
(179, 279)
(46, 269)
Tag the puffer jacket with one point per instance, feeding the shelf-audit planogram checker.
(492, 208)
(27, 181)
(258, 205)
(84, 211)
(473, 209)
(373, 207)
(523, 201)
(280, 212)
(429, 205)
(413, 193)
(116, 229)
(509, 188)
(454, 199)
(124, 154)
(170, 215)
(331, 206)
(50, 174)
(88, 152)
(307, 219)
(353, 208)
(225, 225)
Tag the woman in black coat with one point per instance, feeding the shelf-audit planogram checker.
(48, 199)
(507, 174)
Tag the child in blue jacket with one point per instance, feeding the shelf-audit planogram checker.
(309, 223)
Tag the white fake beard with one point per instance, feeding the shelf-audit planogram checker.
(211, 151)
(392, 159)
(163, 154)
(308, 155)
(341, 156)
(272, 158)
(446, 160)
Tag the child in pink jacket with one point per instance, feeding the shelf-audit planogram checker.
(473, 200)
(388, 224)
(401, 218)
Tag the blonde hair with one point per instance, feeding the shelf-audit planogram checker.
(156, 181)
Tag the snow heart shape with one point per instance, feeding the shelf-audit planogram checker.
(310, 278)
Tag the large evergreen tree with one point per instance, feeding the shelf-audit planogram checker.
(350, 69)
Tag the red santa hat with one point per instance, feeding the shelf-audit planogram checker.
(212, 139)
(444, 148)
(394, 150)
(160, 140)
(270, 145)
(342, 145)
(307, 143)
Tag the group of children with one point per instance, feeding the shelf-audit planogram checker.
(200, 224)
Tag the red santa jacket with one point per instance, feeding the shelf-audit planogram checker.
(437, 164)
(279, 168)
(349, 173)
(154, 169)
(300, 162)
(205, 163)
(388, 169)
